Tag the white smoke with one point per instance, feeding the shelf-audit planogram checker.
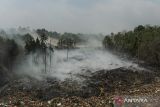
(90, 56)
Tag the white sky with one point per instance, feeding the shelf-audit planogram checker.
(84, 16)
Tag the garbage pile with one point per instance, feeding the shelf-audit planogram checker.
(97, 89)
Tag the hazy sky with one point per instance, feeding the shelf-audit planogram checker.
(85, 16)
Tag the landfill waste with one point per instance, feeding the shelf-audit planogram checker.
(97, 89)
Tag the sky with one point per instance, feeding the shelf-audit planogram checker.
(79, 16)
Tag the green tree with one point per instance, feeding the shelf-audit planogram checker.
(43, 35)
(107, 42)
(30, 44)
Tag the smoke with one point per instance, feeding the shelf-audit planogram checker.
(89, 56)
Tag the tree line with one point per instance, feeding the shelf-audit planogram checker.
(44, 48)
(143, 43)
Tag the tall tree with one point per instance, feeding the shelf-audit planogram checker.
(43, 36)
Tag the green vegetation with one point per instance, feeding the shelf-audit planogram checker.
(40, 45)
(67, 40)
(9, 50)
(143, 43)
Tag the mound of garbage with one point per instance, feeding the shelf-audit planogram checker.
(100, 86)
